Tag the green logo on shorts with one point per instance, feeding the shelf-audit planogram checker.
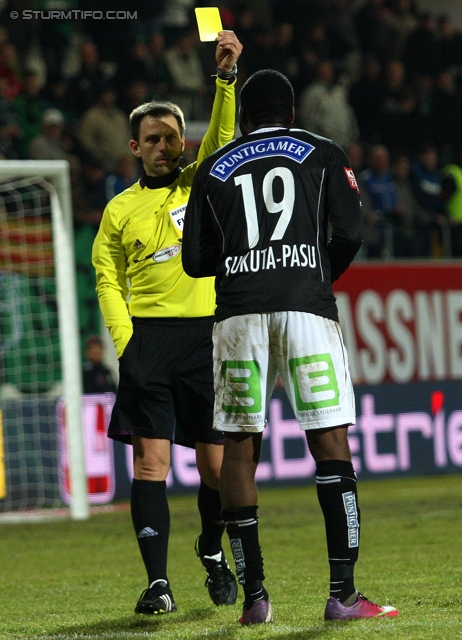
(315, 382)
(242, 389)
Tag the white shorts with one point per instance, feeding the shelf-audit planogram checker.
(308, 353)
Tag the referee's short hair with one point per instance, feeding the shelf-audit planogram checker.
(268, 96)
(155, 110)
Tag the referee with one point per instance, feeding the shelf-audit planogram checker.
(161, 322)
(258, 218)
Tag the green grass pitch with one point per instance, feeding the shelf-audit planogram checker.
(70, 580)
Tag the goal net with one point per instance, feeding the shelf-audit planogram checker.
(39, 338)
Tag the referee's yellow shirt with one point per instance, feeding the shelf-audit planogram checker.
(137, 251)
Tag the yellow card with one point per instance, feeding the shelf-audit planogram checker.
(209, 23)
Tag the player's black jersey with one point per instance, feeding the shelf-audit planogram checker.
(258, 218)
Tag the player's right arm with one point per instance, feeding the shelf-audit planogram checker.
(200, 251)
(110, 264)
(344, 210)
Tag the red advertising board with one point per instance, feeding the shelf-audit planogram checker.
(402, 321)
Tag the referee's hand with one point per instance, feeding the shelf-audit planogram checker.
(228, 50)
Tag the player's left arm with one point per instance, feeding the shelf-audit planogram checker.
(344, 210)
(201, 245)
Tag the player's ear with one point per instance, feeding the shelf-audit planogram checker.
(243, 122)
(135, 147)
(182, 143)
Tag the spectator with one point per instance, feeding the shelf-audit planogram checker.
(285, 59)
(49, 143)
(397, 115)
(96, 376)
(10, 132)
(175, 19)
(188, 88)
(134, 94)
(421, 49)
(162, 80)
(318, 42)
(399, 122)
(246, 25)
(395, 80)
(10, 68)
(260, 51)
(341, 32)
(355, 153)
(381, 190)
(54, 95)
(408, 215)
(424, 89)
(125, 174)
(55, 35)
(307, 64)
(425, 180)
(302, 14)
(90, 197)
(366, 97)
(446, 121)
(112, 38)
(104, 130)
(403, 21)
(136, 66)
(373, 29)
(452, 197)
(84, 87)
(324, 109)
(30, 107)
(449, 46)
(53, 143)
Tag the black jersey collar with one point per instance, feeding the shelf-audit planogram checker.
(152, 182)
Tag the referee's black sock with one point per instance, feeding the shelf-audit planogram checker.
(213, 525)
(337, 495)
(242, 528)
(151, 521)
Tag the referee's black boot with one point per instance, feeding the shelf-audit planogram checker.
(220, 581)
(157, 598)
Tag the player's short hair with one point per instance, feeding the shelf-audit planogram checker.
(268, 96)
(155, 110)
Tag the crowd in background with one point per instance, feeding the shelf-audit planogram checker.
(382, 78)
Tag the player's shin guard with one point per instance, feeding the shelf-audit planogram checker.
(337, 495)
(242, 528)
(151, 521)
(213, 525)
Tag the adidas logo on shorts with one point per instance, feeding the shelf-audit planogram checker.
(138, 245)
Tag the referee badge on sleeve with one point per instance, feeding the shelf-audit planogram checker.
(177, 217)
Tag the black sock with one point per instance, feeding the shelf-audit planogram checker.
(242, 528)
(151, 521)
(337, 494)
(213, 525)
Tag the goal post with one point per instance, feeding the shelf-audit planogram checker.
(56, 177)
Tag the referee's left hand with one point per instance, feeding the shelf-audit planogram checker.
(228, 50)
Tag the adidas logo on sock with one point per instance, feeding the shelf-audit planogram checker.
(147, 532)
(138, 245)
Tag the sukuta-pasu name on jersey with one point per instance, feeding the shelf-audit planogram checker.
(285, 146)
(301, 255)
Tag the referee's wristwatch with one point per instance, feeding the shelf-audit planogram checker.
(227, 75)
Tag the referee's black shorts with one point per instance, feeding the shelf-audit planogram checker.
(166, 382)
